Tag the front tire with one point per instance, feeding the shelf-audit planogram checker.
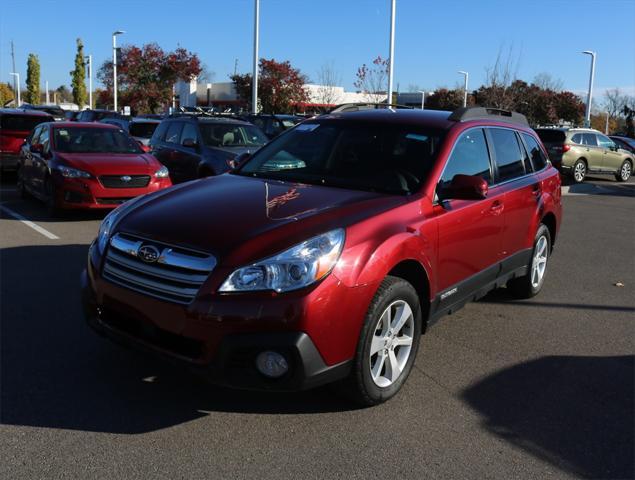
(24, 194)
(625, 171)
(530, 284)
(579, 171)
(52, 207)
(388, 344)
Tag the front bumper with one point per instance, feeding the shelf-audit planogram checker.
(79, 193)
(225, 359)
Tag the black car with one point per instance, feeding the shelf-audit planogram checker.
(624, 142)
(97, 115)
(273, 125)
(194, 146)
(55, 111)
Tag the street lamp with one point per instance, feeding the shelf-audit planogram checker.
(423, 97)
(587, 117)
(254, 90)
(114, 66)
(391, 59)
(90, 80)
(17, 80)
(466, 75)
(48, 100)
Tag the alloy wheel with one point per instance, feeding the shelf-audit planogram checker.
(392, 343)
(579, 172)
(539, 262)
(626, 171)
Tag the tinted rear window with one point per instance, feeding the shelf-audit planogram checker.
(24, 123)
(509, 158)
(551, 136)
(143, 129)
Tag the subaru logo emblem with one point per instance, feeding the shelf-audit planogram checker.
(148, 253)
(126, 178)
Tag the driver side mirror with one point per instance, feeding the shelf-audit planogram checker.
(36, 148)
(464, 187)
(615, 147)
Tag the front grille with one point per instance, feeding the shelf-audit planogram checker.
(172, 273)
(112, 200)
(124, 181)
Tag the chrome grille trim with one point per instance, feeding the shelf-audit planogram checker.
(176, 276)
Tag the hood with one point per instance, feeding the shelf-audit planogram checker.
(246, 217)
(111, 163)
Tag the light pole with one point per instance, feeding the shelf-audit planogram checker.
(90, 80)
(17, 80)
(48, 100)
(423, 98)
(391, 58)
(466, 75)
(114, 66)
(254, 90)
(587, 117)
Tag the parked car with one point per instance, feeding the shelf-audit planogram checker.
(194, 146)
(273, 125)
(72, 165)
(579, 151)
(624, 143)
(140, 128)
(55, 111)
(97, 115)
(15, 126)
(326, 254)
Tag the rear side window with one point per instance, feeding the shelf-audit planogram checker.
(537, 157)
(159, 133)
(589, 139)
(174, 132)
(470, 156)
(509, 159)
(189, 133)
(22, 123)
(577, 138)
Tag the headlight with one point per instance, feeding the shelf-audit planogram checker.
(105, 229)
(295, 268)
(162, 172)
(69, 172)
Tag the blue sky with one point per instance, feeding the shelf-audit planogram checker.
(433, 39)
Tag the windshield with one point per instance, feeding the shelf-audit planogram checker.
(377, 157)
(22, 123)
(231, 135)
(93, 140)
(143, 129)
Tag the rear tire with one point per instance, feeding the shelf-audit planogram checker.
(387, 345)
(530, 284)
(579, 171)
(625, 171)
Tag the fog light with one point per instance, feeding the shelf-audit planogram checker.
(272, 364)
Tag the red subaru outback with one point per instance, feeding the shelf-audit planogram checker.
(325, 255)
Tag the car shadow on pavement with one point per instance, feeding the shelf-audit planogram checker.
(575, 412)
(57, 373)
(600, 186)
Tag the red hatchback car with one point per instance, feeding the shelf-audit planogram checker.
(325, 255)
(85, 166)
(15, 127)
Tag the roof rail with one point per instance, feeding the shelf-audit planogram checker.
(464, 114)
(354, 107)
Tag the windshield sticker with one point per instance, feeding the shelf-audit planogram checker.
(63, 133)
(308, 127)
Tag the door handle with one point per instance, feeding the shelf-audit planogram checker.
(536, 191)
(497, 208)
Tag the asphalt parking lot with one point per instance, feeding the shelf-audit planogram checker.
(542, 388)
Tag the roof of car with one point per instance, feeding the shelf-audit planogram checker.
(432, 118)
(209, 119)
(82, 124)
(20, 111)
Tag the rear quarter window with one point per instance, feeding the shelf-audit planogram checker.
(538, 158)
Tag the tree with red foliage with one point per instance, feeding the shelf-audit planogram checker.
(373, 81)
(280, 86)
(145, 76)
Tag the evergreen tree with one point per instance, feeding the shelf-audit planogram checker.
(78, 75)
(32, 80)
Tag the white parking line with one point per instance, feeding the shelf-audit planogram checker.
(29, 223)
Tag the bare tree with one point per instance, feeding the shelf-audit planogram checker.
(328, 79)
(413, 88)
(500, 77)
(206, 75)
(546, 81)
(373, 81)
(614, 102)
